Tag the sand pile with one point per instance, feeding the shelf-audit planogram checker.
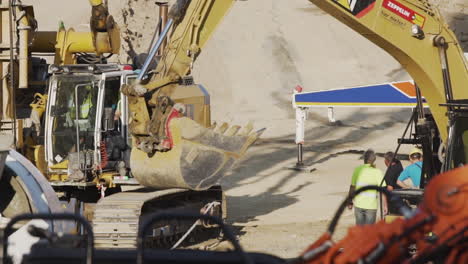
(455, 12)
(261, 51)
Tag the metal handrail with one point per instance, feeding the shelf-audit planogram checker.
(149, 220)
(89, 231)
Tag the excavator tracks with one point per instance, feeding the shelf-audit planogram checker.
(117, 217)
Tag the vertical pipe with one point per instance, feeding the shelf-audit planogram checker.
(12, 69)
(300, 127)
(23, 51)
(441, 43)
(450, 147)
(163, 16)
(419, 101)
(154, 50)
(77, 126)
(300, 162)
(155, 35)
(331, 115)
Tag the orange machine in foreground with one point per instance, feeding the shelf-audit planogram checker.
(438, 228)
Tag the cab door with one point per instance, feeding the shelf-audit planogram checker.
(108, 103)
(128, 78)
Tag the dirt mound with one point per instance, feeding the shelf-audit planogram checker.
(261, 51)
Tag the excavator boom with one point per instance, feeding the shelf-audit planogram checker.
(416, 35)
(195, 23)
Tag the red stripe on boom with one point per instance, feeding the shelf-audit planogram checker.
(366, 10)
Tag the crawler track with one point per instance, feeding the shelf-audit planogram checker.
(117, 217)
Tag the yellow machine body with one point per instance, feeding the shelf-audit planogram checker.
(408, 30)
(167, 151)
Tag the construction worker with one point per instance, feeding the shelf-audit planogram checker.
(85, 103)
(410, 177)
(394, 169)
(366, 203)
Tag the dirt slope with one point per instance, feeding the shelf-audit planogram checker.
(260, 52)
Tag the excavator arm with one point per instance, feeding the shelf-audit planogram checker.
(103, 37)
(438, 228)
(416, 35)
(174, 143)
(195, 22)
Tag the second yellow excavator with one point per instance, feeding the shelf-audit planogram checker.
(416, 35)
(157, 130)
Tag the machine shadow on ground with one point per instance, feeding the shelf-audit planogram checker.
(269, 159)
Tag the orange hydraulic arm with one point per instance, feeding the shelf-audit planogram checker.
(443, 213)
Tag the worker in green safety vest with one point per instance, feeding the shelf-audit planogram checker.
(85, 112)
(85, 105)
(366, 203)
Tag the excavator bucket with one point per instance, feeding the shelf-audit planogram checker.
(198, 159)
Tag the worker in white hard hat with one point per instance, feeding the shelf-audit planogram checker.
(410, 177)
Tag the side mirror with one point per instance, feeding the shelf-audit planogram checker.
(108, 119)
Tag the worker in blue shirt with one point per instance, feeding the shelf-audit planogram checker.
(410, 177)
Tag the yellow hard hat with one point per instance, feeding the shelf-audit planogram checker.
(95, 2)
(415, 150)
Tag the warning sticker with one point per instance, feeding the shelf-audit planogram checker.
(358, 8)
(404, 12)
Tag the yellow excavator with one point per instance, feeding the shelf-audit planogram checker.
(157, 129)
(168, 116)
(175, 145)
(176, 150)
(416, 35)
(26, 77)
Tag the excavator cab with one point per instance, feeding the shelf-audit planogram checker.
(86, 122)
(72, 116)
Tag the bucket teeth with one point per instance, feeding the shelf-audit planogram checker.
(251, 139)
(233, 139)
(247, 129)
(213, 126)
(232, 131)
(222, 128)
(200, 158)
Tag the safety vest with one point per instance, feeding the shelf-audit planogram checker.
(365, 175)
(86, 106)
(84, 109)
